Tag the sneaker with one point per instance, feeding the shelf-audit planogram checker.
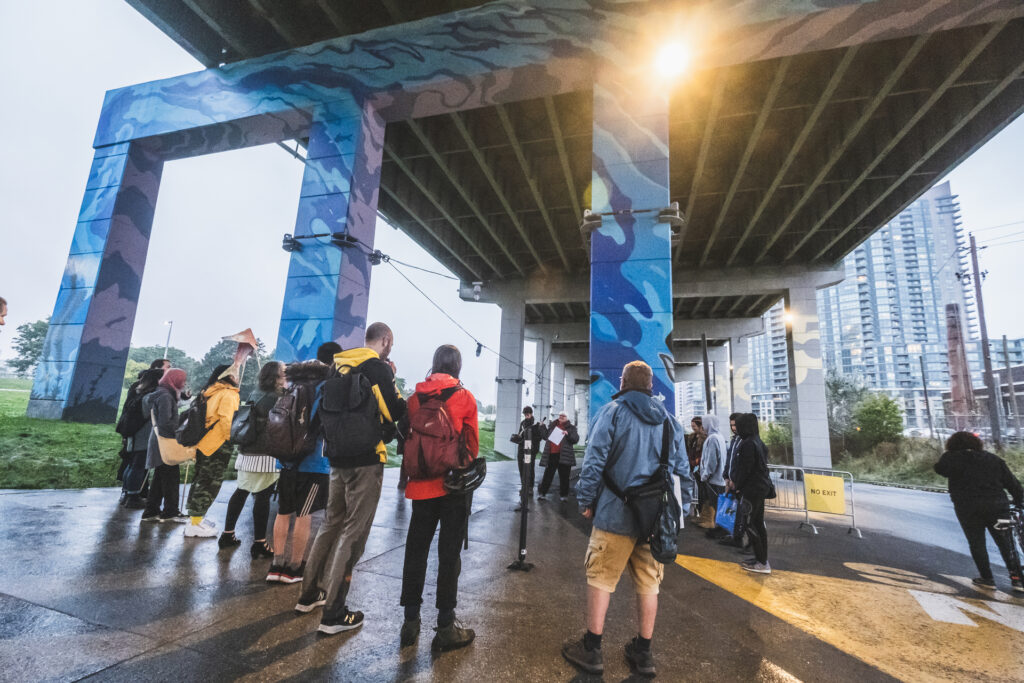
(452, 637)
(135, 502)
(1018, 585)
(309, 603)
(641, 661)
(291, 575)
(205, 529)
(579, 656)
(274, 574)
(542, 496)
(260, 549)
(984, 583)
(150, 517)
(410, 632)
(346, 622)
(563, 498)
(175, 518)
(749, 561)
(226, 541)
(757, 567)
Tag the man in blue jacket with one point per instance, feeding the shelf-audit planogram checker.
(630, 426)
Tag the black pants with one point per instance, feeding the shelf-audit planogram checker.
(974, 519)
(134, 477)
(260, 511)
(163, 489)
(756, 529)
(527, 471)
(549, 476)
(451, 512)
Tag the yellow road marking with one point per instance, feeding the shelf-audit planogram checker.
(912, 634)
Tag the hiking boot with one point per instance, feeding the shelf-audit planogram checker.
(451, 637)
(260, 549)
(205, 529)
(757, 567)
(274, 574)
(1018, 585)
(228, 541)
(579, 656)
(641, 661)
(307, 603)
(984, 583)
(346, 622)
(410, 632)
(290, 575)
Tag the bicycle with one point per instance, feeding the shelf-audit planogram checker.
(1014, 524)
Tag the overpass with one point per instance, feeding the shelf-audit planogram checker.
(485, 130)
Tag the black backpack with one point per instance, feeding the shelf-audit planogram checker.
(193, 427)
(290, 435)
(350, 418)
(132, 416)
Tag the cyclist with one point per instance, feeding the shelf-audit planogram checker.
(978, 481)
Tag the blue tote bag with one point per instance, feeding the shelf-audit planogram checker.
(725, 516)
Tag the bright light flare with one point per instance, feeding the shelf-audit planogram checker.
(672, 60)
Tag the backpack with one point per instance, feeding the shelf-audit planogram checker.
(350, 418)
(289, 434)
(192, 427)
(132, 416)
(432, 446)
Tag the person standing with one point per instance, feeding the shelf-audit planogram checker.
(135, 426)
(355, 484)
(527, 441)
(725, 538)
(978, 483)
(257, 472)
(709, 471)
(750, 479)
(432, 505)
(558, 457)
(630, 430)
(161, 407)
(213, 452)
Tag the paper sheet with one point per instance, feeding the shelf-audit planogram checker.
(556, 436)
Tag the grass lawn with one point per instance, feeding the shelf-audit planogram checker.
(37, 454)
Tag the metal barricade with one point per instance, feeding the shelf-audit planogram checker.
(791, 488)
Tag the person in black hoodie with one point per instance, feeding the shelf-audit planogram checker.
(748, 476)
(978, 481)
(528, 436)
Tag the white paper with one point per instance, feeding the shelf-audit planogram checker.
(556, 436)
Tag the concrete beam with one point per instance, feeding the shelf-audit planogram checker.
(683, 330)
(581, 356)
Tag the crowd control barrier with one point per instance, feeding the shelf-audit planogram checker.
(810, 490)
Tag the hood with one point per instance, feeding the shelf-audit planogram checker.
(307, 371)
(710, 424)
(746, 425)
(647, 408)
(346, 360)
(219, 387)
(436, 383)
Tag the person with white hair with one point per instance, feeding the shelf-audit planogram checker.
(559, 456)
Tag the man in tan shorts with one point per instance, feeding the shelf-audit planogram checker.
(631, 427)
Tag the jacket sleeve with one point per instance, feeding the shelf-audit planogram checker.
(166, 420)
(470, 434)
(1011, 484)
(709, 459)
(384, 379)
(598, 448)
(743, 464)
(944, 466)
(573, 434)
(680, 464)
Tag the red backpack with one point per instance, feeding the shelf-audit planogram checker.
(433, 447)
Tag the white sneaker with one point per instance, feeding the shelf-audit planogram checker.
(205, 529)
(757, 567)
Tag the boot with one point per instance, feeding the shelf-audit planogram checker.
(707, 517)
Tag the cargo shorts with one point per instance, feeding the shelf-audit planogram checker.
(608, 554)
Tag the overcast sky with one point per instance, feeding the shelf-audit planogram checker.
(215, 265)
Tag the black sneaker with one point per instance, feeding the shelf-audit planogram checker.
(150, 517)
(641, 661)
(226, 541)
(579, 656)
(452, 637)
(984, 583)
(291, 575)
(135, 502)
(410, 632)
(307, 603)
(346, 622)
(274, 574)
(260, 549)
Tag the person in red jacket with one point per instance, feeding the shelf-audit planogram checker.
(432, 504)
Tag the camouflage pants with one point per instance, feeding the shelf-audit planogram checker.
(209, 477)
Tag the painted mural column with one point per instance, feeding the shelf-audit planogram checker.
(630, 254)
(808, 415)
(327, 291)
(509, 402)
(81, 370)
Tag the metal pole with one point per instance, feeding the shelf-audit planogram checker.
(990, 383)
(167, 346)
(525, 484)
(927, 402)
(1013, 390)
(707, 373)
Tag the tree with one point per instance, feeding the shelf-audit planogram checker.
(178, 358)
(132, 370)
(28, 344)
(879, 419)
(842, 394)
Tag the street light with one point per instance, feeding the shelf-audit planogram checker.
(170, 326)
(672, 59)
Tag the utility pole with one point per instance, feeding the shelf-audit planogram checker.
(986, 354)
(927, 402)
(167, 346)
(707, 373)
(1013, 391)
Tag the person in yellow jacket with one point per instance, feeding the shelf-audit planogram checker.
(214, 450)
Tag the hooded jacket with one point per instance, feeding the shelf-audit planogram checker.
(389, 401)
(461, 407)
(978, 477)
(313, 373)
(161, 407)
(749, 473)
(529, 430)
(712, 459)
(221, 404)
(632, 427)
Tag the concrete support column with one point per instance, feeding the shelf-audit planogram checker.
(570, 393)
(584, 410)
(557, 385)
(808, 412)
(741, 385)
(542, 382)
(510, 375)
(721, 393)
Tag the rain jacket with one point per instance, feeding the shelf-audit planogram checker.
(712, 459)
(566, 454)
(461, 408)
(389, 399)
(221, 404)
(162, 404)
(632, 426)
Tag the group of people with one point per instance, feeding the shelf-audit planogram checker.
(739, 469)
(554, 441)
(342, 479)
